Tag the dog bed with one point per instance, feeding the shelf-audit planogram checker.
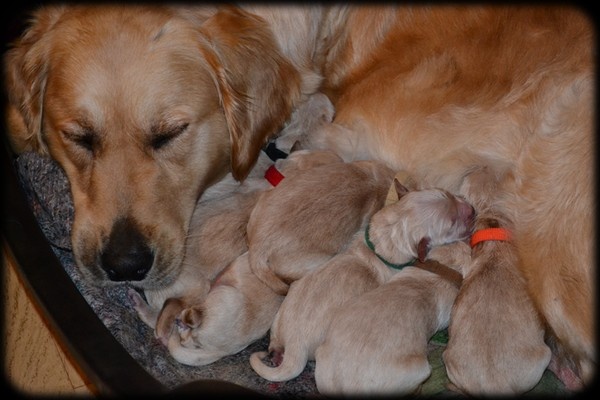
(111, 344)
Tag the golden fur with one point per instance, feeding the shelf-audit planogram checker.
(143, 118)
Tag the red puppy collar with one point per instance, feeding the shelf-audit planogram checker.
(273, 175)
(489, 234)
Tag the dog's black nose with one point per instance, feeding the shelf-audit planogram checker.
(126, 256)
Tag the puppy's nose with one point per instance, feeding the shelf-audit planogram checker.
(126, 256)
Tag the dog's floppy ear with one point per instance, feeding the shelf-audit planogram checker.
(26, 68)
(257, 85)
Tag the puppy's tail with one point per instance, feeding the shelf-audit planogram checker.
(287, 367)
(260, 267)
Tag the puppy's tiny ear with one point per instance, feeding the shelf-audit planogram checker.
(423, 248)
(257, 84)
(26, 67)
(296, 146)
(401, 190)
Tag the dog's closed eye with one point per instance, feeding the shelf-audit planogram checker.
(161, 136)
(85, 138)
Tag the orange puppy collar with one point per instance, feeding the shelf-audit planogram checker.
(489, 234)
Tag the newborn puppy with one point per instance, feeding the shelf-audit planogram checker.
(238, 310)
(376, 344)
(486, 355)
(310, 217)
(418, 220)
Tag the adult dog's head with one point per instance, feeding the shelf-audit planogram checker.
(144, 107)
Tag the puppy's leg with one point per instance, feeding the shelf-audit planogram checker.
(147, 314)
(455, 255)
(166, 319)
(161, 321)
(280, 273)
(343, 141)
(316, 111)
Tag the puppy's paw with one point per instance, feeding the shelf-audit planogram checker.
(147, 314)
(188, 321)
(272, 359)
(319, 105)
(137, 301)
(455, 255)
(275, 357)
(166, 319)
(192, 317)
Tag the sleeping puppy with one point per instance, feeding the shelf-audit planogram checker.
(238, 310)
(310, 217)
(384, 351)
(403, 231)
(488, 355)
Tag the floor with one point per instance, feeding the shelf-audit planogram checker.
(34, 362)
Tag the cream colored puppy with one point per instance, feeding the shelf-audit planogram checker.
(310, 217)
(419, 220)
(487, 355)
(376, 343)
(238, 310)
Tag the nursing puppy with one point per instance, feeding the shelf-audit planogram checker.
(488, 355)
(309, 217)
(376, 344)
(404, 231)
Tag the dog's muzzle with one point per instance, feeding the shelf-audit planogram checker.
(126, 255)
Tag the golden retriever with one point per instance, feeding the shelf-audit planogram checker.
(145, 107)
